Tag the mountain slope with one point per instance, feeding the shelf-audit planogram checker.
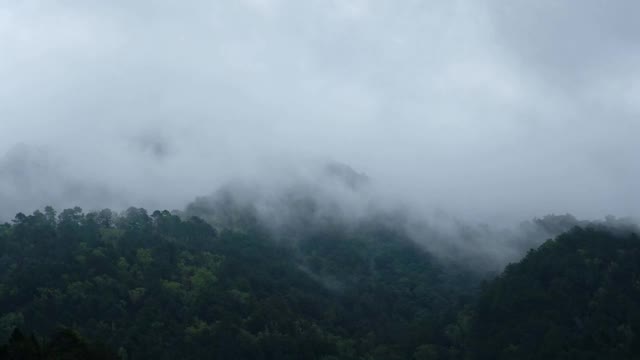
(157, 286)
(575, 297)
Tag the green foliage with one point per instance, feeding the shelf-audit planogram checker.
(8, 322)
(162, 287)
(576, 297)
(65, 344)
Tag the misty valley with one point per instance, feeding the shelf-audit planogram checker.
(226, 279)
(319, 180)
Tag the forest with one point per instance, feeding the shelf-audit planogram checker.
(170, 285)
(319, 180)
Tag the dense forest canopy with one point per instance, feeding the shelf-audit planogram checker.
(157, 286)
(162, 285)
(575, 297)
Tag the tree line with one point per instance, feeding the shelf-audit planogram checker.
(134, 285)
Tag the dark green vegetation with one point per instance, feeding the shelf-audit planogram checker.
(159, 287)
(163, 286)
(576, 297)
(64, 344)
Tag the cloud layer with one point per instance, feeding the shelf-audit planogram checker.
(489, 111)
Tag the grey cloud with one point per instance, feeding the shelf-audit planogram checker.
(568, 41)
(482, 110)
(31, 179)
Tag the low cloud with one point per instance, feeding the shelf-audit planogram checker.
(491, 112)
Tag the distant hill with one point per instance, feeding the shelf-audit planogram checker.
(315, 285)
(575, 297)
(155, 286)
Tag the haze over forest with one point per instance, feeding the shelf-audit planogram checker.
(319, 179)
(473, 110)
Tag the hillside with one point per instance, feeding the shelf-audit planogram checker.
(136, 285)
(156, 286)
(575, 297)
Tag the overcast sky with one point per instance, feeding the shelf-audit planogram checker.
(481, 108)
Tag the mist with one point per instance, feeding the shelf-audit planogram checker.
(488, 112)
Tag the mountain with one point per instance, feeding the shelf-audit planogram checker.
(159, 286)
(575, 297)
(233, 278)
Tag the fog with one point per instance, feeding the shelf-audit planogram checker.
(489, 111)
